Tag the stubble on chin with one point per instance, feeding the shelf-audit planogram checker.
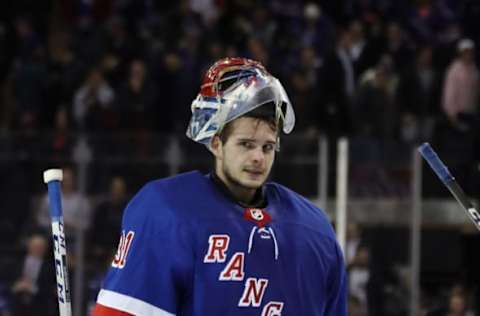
(241, 180)
(253, 183)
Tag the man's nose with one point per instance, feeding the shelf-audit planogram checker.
(258, 155)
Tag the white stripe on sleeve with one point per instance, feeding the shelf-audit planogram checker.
(129, 304)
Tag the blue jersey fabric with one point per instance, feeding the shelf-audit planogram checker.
(295, 258)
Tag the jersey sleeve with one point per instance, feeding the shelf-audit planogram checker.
(152, 270)
(337, 292)
(101, 310)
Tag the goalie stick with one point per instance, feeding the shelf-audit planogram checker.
(52, 178)
(449, 181)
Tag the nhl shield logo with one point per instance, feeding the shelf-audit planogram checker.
(257, 215)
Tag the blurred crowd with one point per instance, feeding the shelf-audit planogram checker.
(377, 68)
(378, 71)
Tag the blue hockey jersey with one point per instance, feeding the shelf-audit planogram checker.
(188, 250)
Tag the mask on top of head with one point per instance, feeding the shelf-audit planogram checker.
(231, 88)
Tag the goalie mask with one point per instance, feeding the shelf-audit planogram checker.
(231, 88)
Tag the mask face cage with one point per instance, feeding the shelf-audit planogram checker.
(236, 91)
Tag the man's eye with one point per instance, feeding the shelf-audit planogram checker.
(247, 145)
(268, 148)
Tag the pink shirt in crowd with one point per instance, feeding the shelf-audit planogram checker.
(460, 91)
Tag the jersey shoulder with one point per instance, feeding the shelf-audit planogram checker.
(302, 209)
(167, 197)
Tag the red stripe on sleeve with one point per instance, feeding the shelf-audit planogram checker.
(101, 310)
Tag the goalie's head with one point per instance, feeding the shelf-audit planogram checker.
(232, 88)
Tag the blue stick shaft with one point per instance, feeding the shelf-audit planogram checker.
(435, 163)
(55, 199)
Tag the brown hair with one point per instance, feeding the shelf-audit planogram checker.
(264, 113)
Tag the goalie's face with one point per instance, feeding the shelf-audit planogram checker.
(244, 159)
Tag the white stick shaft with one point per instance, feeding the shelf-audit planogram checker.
(342, 192)
(60, 257)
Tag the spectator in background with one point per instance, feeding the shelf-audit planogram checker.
(303, 83)
(136, 98)
(7, 50)
(398, 289)
(136, 106)
(112, 68)
(359, 275)
(89, 40)
(418, 96)
(29, 89)
(107, 221)
(28, 75)
(458, 305)
(213, 51)
(337, 86)
(189, 20)
(355, 307)
(367, 44)
(208, 9)
(91, 100)
(446, 45)
(420, 20)
(65, 73)
(118, 38)
(362, 50)
(257, 50)
(172, 77)
(33, 291)
(27, 40)
(398, 45)
(61, 142)
(7, 104)
(262, 26)
(461, 85)
(354, 241)
(121, 45)
(317, 30)
(375, 108)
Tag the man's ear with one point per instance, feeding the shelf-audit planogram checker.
(216, 147)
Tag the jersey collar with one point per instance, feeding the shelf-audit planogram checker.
(259, 199)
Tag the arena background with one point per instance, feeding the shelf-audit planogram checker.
(102, 89)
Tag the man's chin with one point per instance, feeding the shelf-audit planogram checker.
(253, 183)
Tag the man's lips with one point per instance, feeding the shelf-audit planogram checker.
(254, 172)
